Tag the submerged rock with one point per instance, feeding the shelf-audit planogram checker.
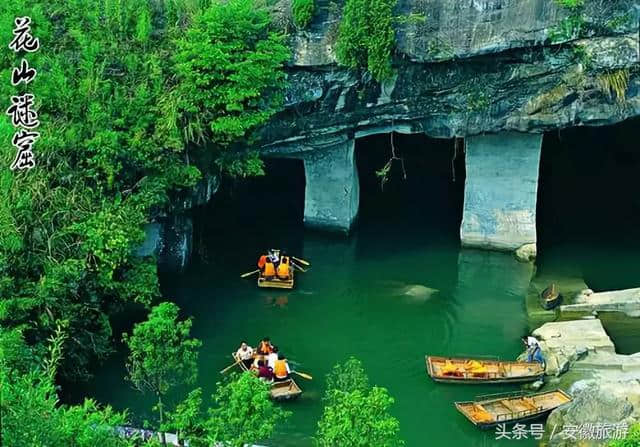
(419, 291)
(526, 253)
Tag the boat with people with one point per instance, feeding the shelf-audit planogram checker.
(280, 390)
(491, 410)
(550, 298)
(276, 269)
(466, 370)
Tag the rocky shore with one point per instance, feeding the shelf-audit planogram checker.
(605, 385)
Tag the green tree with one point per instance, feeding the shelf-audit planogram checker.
(115, 149)
(230, 78)
(355, 414)
(162, 353)
(243, 412)
(366, 38)
(187, 420)
(631, 440)
(349, 376)
(31, 412)
(302, 12)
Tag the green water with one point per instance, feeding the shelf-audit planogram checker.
(354, 302)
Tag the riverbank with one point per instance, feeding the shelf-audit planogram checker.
(582, 359)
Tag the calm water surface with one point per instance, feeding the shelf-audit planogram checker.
(354, 301)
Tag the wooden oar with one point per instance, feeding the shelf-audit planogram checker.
(298, 267)
(303, 375)
(302, 261)
(230, 366)
(244, 275)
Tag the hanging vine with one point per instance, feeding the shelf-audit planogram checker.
(383, 174)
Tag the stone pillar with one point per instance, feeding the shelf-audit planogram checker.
(332, 192)
(501, 191)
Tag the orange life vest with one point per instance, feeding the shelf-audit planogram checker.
(280, 369)
(265, 347)
(262, 261)
(269, 269)
(283, 270)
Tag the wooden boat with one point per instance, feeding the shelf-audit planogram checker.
(509, 409)
(275, 282)
(550, 297)
(284, 390)
(463, 370)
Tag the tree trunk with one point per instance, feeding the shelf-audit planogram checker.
(160, 411)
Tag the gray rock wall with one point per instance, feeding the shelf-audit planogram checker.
(332, 192)
(464, 68)
(501, 190)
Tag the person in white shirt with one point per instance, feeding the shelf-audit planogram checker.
(245, 353)
(271, 358)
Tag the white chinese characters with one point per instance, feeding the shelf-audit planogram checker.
(22, 111)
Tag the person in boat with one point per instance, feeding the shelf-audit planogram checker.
(273, 257)
(265, 347)
(269, 270)
(272, 357)
(264, 372)
(245, 353)
(281, 370)
(284, 267)
(261, 262)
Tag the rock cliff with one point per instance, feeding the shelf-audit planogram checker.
(465, 67)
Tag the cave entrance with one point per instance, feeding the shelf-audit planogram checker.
(260, 212)
(589, 201)
(430, 198)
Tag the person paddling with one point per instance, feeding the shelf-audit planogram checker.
(245, 353)
(281, 369)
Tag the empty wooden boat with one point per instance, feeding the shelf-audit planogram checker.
(284, 390)
(464, 370)
(550, 297)
(508, 409)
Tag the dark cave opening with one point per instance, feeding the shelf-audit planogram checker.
(430, 197)
(589, 200)
(267, 210)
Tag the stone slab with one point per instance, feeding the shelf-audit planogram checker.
(501, 190)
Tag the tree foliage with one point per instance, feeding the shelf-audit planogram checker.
(631, 440)
(356, 414)
(31, 412)
(162, 353)
(366, 38)
(302, 12)
(115, 108)
(243, 413)
(229, 68)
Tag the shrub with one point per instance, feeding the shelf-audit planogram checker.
(366, 38)
(302, 12)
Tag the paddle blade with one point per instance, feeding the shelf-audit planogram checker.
(302, 261)
(303, 375)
